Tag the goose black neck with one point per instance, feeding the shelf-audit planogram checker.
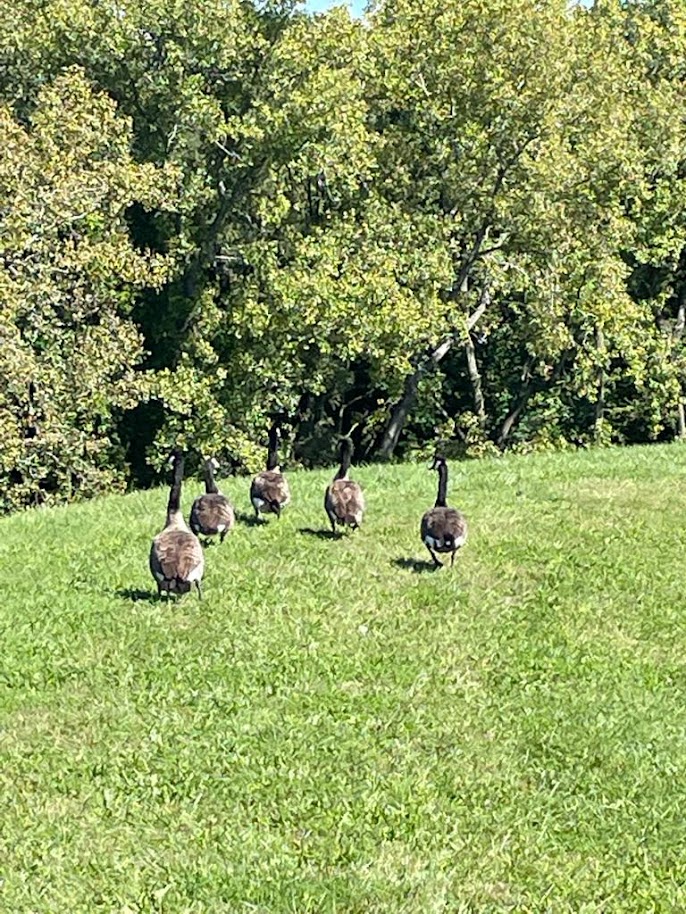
(346, 458)
(442, 485)
(174, 504)
(272, 453)
(210, 484)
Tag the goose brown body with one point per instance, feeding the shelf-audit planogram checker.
(443, 529)
(212, 514)
(176, 560)
(269, 491)
(344, 500)
(176, 557)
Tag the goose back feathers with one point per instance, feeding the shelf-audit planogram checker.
(176, 557)
(212, 514)
(269, 491)
(344, 499)
(443, 529)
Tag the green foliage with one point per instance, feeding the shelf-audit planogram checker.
(68, 273)
(284, 215)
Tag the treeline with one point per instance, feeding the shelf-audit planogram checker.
(459, 220)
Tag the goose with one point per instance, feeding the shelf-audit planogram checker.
(269, 490)
(443, 529)
(344, 500)
(212, 513)
(176, 557)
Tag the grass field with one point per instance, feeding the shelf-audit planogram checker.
(337, 728)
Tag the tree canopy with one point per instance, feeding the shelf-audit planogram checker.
(459, 222)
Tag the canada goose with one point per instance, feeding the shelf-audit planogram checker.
(344, 500)
(269, 490)
(176, 556)
(443, 529)
(212, 513)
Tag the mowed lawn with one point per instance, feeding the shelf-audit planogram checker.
(336, 728)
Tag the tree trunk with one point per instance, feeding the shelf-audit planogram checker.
(403, 407)
(512, 417)
(677, 334)
(475, 380)
(600, 381)
(530, 386)
(398, 416)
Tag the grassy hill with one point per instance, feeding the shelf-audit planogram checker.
(336, 728)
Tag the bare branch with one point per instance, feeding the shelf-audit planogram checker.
(484, 302)
(227, 152)
(402, 408)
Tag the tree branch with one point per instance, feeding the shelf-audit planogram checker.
(531, 385)
(402, 408)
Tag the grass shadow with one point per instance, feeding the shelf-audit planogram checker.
(136, 595)
(320, 534)
(418, 566)
(249, 520)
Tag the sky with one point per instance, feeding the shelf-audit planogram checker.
(357, 6)
(316, 6)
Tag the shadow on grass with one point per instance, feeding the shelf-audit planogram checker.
(418, 566)
(249, 520)
(320, 534)
(136, 595)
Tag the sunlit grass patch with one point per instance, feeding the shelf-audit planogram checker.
(335, 728)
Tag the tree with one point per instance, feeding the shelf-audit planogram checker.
(68, 272)
(509, 122)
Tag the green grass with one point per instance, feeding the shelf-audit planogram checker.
(335, 729)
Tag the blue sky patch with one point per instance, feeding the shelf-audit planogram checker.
(356, 7)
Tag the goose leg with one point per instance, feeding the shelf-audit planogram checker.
(452, 558)
(433, 556)
(197, 584)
